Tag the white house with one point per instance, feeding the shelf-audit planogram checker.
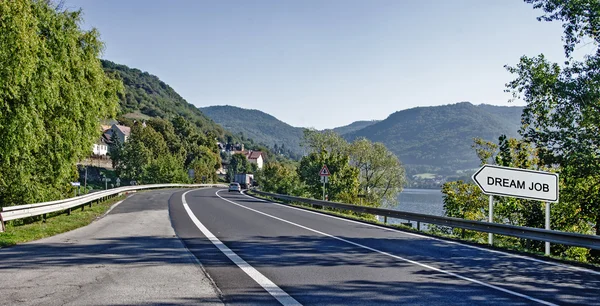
(255, 157)
(100, 147)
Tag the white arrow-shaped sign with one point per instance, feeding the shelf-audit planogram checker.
(518, 183)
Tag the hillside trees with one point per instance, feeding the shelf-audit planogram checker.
(162, 152)
(53, 93)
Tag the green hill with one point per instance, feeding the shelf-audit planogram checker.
(354, 126)
(259, 126)
(147, 96)
(438, 139)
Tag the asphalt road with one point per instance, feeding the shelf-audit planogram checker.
(129, 257)
(268, 254)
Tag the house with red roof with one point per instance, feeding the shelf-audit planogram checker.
(255, 157)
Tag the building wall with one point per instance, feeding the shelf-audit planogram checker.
(100, 149)
(258, 162)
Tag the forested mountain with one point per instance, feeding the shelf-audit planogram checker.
(259, 126)
(438, 139)
(148, 95)
(354, 126)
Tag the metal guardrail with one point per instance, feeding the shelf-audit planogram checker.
(558, 237)
(37, 209)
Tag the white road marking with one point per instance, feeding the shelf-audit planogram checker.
(436, 239)
(263, 281)
(395, 256)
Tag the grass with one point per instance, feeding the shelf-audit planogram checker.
(18, 231)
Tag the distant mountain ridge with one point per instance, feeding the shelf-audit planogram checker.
(432, 138)
(354, 126)
(441, 136)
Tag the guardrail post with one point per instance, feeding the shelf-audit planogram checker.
(69, 212)
(418, 225)
(1, 224)
(384, 219)
(44, 218)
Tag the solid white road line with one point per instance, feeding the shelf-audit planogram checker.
(263, 281)
(436, 239)
(395, 256)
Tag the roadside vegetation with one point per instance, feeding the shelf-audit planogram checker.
(560, 133)
(362, 172)
(34, 228)
(53, 93)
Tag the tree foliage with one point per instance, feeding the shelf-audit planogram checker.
(562, 116)
(280, 178)
(381, 175)
(147, 94)
(238, 164)
(163, 152)
(53, 94)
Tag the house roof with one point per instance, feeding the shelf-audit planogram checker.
(124, 129)
(106, 137)
(254, 154)
(104, 127)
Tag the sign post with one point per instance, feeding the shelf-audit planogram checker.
(491, 219)
(106, 180)
(324, 173)
(547, 246)
(518, 183)
(77, 184)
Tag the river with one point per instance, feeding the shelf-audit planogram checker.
(424, 201)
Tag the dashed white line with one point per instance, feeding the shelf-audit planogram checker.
(395, 256)
(263, 281)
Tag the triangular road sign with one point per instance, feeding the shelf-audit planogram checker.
(324, 171)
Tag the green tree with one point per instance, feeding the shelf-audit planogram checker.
(115, 150)
(205, 165)
(278, 178)
(343, 182)
(562, 116)
(53, 92)
(238, 164)
(330, 141)
(165, 169)
(381, 174)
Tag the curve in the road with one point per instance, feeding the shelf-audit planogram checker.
(322, 259)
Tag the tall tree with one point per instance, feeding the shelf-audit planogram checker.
(343, 182)
(381, 173)
(330, 141)
(562, 116)
(238, 164)
(53, 93)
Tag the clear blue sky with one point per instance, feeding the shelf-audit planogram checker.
(325, 63)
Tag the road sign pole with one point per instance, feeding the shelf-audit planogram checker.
(323, 190)
(491, 220)
(547, 226)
